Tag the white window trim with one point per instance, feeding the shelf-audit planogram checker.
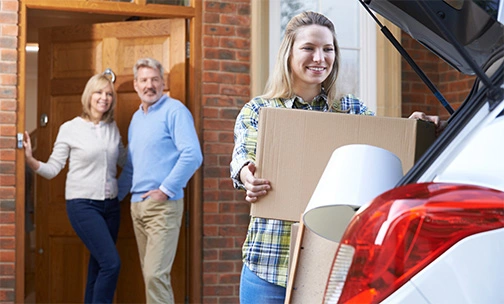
(367, 73)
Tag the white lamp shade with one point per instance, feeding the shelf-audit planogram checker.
(354, 175)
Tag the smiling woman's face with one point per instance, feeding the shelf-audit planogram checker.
(312, 57)
(101, 101)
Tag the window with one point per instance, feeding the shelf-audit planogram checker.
(356, 37)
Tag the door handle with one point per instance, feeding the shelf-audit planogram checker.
(44, 119)
(110, 74)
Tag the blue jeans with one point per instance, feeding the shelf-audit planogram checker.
(97, 225)
(255, 290)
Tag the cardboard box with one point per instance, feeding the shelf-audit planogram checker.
(294, 147)
(310, 263)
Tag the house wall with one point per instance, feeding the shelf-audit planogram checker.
(226, 88)
(416, 96)
(8, 116)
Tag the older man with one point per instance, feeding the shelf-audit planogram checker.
(163, 154)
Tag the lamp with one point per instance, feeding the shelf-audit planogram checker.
(354, 175)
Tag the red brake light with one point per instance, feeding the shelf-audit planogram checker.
(402, 231)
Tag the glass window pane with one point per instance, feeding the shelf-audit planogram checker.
(290, 8)
(345, 16)
(348, 77)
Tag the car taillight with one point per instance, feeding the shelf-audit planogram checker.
(403, 230)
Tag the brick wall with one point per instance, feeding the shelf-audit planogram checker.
(416, 96)
(8, 106)
(226, 88)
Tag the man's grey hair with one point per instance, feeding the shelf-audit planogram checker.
(149, 63)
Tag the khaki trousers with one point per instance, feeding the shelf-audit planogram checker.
(157, 227)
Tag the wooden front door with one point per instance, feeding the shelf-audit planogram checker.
(68, 57)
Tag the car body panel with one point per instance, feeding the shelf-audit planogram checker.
(469, 272)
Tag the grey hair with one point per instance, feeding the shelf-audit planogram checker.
(149, 63)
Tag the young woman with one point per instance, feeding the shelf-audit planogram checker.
(304, 77)
(93, 144)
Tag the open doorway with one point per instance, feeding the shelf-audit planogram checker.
(37, 19)
(70, 51)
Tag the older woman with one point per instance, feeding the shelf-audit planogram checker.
(93, 144)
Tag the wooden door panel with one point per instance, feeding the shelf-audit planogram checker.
(67, 252)
(129, 252)
(68, 56)
(76, 59)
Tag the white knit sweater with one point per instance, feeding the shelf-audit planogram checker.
(93, 159)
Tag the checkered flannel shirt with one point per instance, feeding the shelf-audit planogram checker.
(266, 247)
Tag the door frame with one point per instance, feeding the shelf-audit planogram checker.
(193, 14)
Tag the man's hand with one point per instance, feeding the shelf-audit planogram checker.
(440, 124)
(156, 195)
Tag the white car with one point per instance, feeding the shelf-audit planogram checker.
(438, 236)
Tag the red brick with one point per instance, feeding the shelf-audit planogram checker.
(220, 290)
(8, 142)
(7, 193)
(6, 80)
(7, 217)
(210, 207)
(12, 6)
(235, 20)
(218, 148)
(8, 105)
(8, 42)
(10, 30)
(209, 196)
(217, 266)
(211, 18)
(7, 255)
(7, 155)
(218, 101)
(236, 90)
(210, 88)
(229, 279)
(219, 30)
(8, 17)
(210, 279)
(214, 219)
(9, 55)
(236, 67)
(7, 243)
(225, 160)
(8, 91)
(211, 65)
(219, 7)
(7, 130)
(7, 230)
(210, 183)
(6, 269)
(7, 180)
(219, 77)
(7, 282)
(243, 79)
(7, 295)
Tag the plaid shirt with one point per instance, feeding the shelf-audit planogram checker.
(266, 247)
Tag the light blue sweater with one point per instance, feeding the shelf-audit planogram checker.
(163, 150)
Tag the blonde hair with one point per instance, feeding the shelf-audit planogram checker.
(279, 84)
(98, 82)
(149, 63)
